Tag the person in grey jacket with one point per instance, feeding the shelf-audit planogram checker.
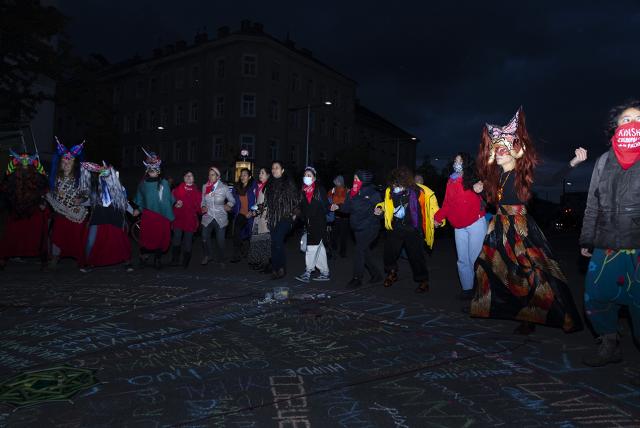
(217, 201)
(611, 235)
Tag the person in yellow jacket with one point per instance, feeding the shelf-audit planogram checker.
(408, 210)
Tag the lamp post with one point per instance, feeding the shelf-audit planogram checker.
(397, 140)
(564, 184)
(309, 107)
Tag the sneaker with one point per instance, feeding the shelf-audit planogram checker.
(323, 277)
(608, 352)
(85, 269)
(305, 277)
(205, 260)
(376, 279)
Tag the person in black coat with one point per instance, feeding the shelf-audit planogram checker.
(360, 203)
(314, 206)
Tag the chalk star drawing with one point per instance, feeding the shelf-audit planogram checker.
(41, 386)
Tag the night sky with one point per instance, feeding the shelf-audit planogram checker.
(438, 69)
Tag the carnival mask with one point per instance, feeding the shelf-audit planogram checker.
(64, 153)
(504, 137)
(23, 160)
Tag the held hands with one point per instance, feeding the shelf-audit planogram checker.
(203, 209)
(581, 156)
(179, 204)
(227, 208)
(136, 213)
(478, 187)
(437, 223)
(378, 211)
(585, 252)
(334, 207)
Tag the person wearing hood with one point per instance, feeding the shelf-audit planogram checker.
(340, 225)
(360, 203)
(185, 210)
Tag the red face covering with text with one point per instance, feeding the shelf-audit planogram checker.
(626, 144)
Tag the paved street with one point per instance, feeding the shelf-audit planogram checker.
(194, 348)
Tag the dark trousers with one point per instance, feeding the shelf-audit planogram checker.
(278, 235)
(340, 235)
(238, 224)
(363, 256)
(406, 236)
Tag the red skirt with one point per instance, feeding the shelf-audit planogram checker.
(69, 237)
(25, 237)
(155, 231)
(111, 247)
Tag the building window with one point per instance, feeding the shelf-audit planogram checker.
(164, 150)
(324, 127)
(125, 156)
(195, 76)
(152, 119)
(295, 82)
(248, 105)
(164, 120)
(177, 152)
(249, 65)
(153, 85)
(180, 78)
(164, 82)
(139, 124)
(293, 154)
(275, 72)
(275, 110)
(139, 89)
(248, 142)
(126, 125)
(273, 150)
(117, 93)
(217, 147)
(191, 151)
(218, 108)
(310, 89)
(220, 66)
(334, 131)
(294, 119)
(323, 156)
(193, 112)
(345, 135)
(179, 115)
(322, 89)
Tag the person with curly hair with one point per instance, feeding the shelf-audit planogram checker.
(517, 275)
(408, 210)
(611, 235)
(24, 188)
(462, 206)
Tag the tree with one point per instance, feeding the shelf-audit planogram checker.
(32, 45)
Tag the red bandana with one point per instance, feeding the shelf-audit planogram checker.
(308, 191)
(209, 187)
(357, 185)
(260, 187)
(626, 144)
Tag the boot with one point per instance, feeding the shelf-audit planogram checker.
(375, 279)
(525, 328)
(392, 277)
(53, 263)
(157, 261)
(608, 352)
(354, 283)
(423, 287)
(186, 258)
(175, 255)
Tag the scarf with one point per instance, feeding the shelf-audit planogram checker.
(260, 187)
(455, 176)
(413, 208)
(210, 187)
(308, 191)
(355, 189)
(626, 144)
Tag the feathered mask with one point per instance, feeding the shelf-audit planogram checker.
(24, 160)
(503, 138)
(152, 162)
(110, 191)
(64, 153)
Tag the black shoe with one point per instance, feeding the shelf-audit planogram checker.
(465, 295)
(608, 352)
(235, 260)
(186, 258)
(375, 279)
(157, 262)
(278, 274)
(423, 287)
(354, 283)
(525, 328)
(175, 255)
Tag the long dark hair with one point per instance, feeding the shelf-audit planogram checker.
(241, 188)
(469, 171)
(614, 115)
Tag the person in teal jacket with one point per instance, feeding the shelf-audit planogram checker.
(155, 202)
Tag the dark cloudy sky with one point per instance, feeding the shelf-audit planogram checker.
(438, 69)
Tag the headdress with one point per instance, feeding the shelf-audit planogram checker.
(62, 152)
(110, 190)
(25, 160)
(506, 136)
(152, 162)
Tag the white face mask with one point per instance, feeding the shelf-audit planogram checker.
(307, 181)
(457, 167)
(398, 189)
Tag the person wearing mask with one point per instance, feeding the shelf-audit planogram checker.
(314, 207)
(185, 210)
(217, 201)
(611, 236)
(360, 204)
(281, 200)
(462, 206)
(155, 202)
(260, 247)
(340, 225)
(408, 217)
(245, 198)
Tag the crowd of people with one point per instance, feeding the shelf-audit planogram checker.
(506, 267)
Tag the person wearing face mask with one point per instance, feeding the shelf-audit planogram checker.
(360, 203)
(611, 235)
(186, 211)
(340, 225)
(516, 275)
(462, 206)
(217, 201)
(155, 202)
(408, 217)
(314, 206)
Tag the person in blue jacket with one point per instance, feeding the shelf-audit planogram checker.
(245, 197)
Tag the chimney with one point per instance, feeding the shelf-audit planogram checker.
(258, 27)
(157, 52)
(181, 45)
(169, 49)
(201, 38)
(245, 25)
(223, 32)
(306, 52)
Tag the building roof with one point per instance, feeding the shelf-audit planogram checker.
(369, 118)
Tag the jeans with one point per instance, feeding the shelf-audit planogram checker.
(363, 256)
(469, 245)
(340, 235)
(238, 224)
(278, 235)
(206, 241)
(410, 238)
(184, 238)
(91, 239)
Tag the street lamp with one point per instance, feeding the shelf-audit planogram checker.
(309, 107)
(564, 184)
(398, 149)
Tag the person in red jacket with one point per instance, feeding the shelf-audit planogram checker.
(463, 208)
(185, 224)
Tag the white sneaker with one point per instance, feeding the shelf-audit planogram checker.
(323, 277)
(305, 277)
